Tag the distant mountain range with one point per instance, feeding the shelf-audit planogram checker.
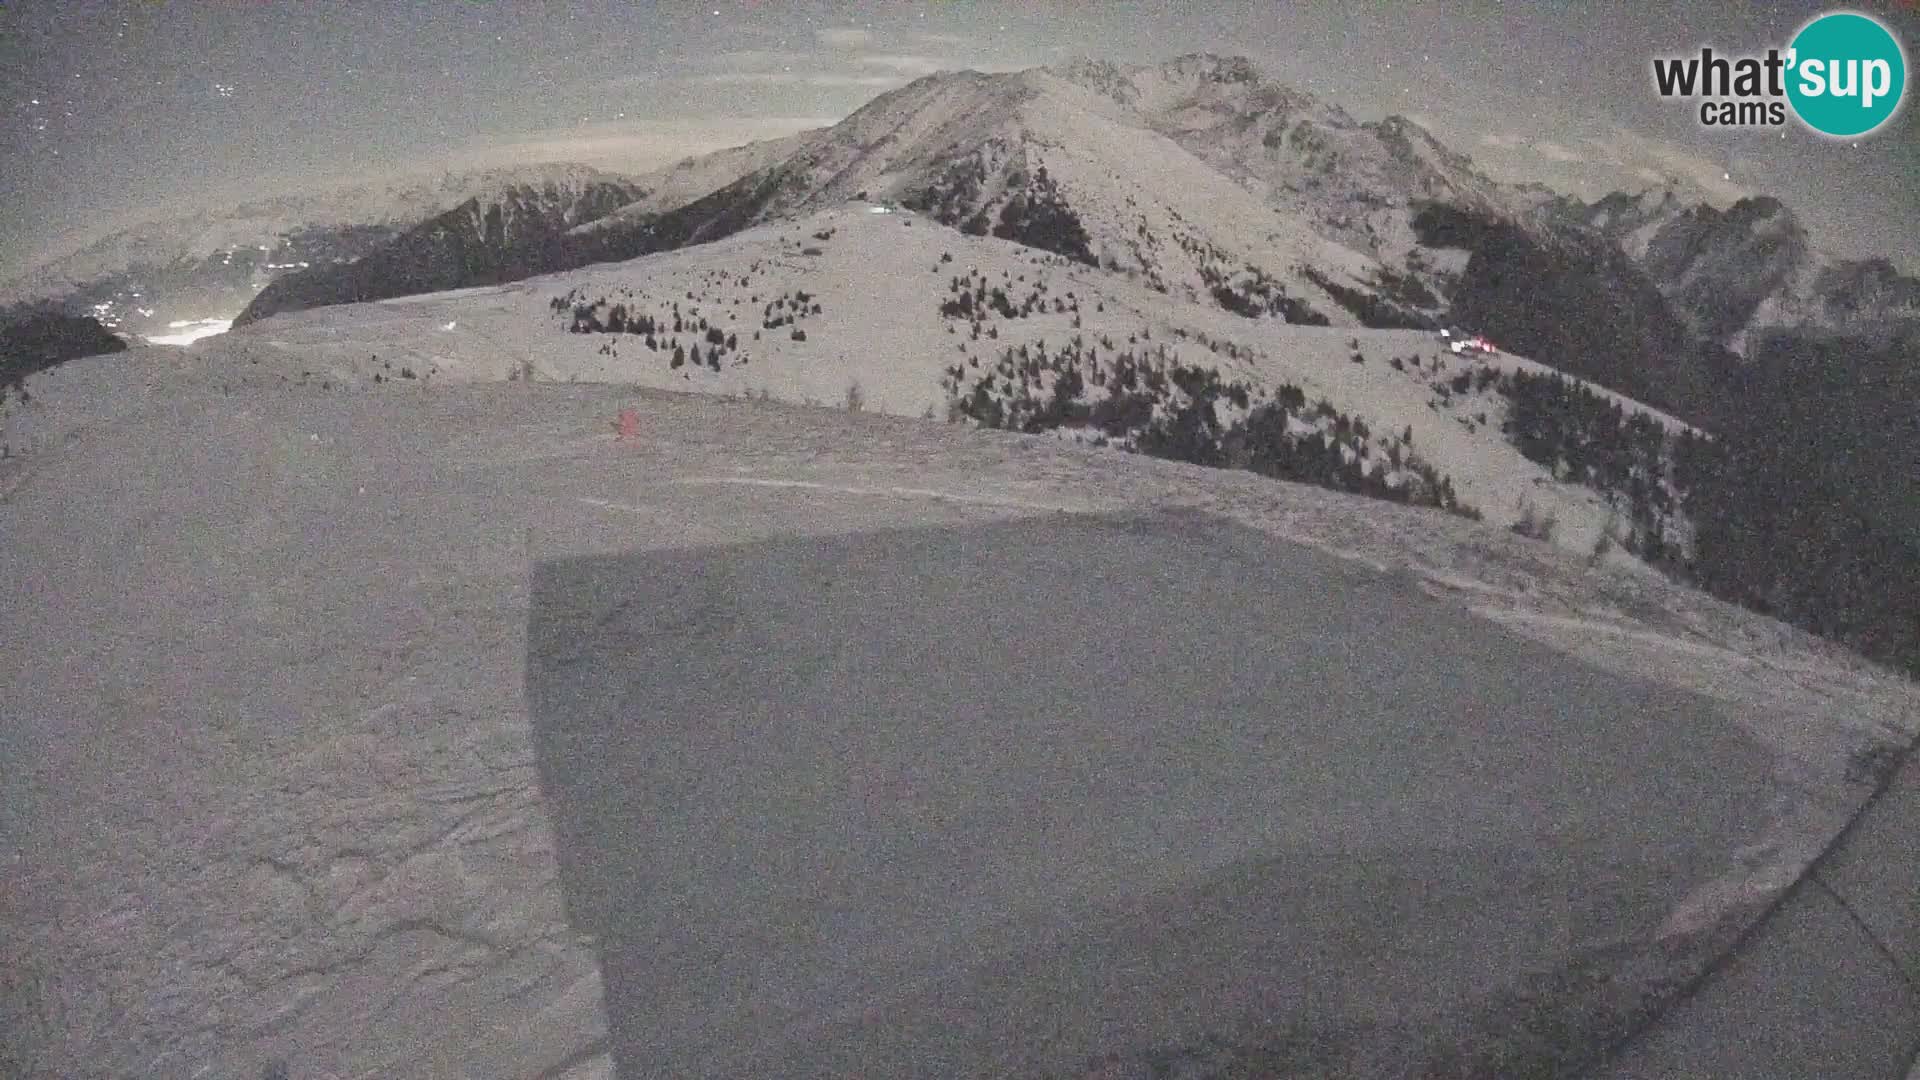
(508, 233)
(1199, 175)
(209, 266)
(1269, 222)
(1729, 273)
(1206, 179)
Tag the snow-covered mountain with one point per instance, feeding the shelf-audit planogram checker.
(1352, 181)
(1252, 306)
(210, 265)
(1199, 177)
(1204, 184)
(887, 309)
(1210, 183)
(1305, 216)
(684, 181)
(1202, 187)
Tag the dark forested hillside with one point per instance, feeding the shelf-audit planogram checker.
(1806, 555)
(1805, 502)
(32, 341)
(1571, 300)
(516, 234)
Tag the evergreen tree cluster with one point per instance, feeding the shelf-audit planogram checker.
(1773, 535)
(1584, 437)
(1338, 457)
(1217, 346)
(951, 198)
(1250, 293)
(787, 309)
(1806, 504)
(973, 299)
(684, 336)
(1148, 401)
(1776, 524)
(1405, 289)
(1036, 213)
(1037, 216)
(1374, 312)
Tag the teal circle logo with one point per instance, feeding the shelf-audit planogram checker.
(1847, 74)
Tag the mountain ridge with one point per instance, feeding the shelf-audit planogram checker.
(1030, 154)
(1208, 181)
(1317, 220)
(1737, 272)
(210, 264)
(501, 237)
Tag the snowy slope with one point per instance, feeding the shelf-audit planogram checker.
(282, 800)
(849, 301)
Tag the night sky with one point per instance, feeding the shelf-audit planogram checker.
(113, 113)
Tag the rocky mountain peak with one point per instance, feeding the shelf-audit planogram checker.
(1215, 68)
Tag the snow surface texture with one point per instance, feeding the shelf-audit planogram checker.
(1209, 812)
(266, 694)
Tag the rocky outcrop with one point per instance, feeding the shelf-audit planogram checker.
(1734, 273)
(1717, 267)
